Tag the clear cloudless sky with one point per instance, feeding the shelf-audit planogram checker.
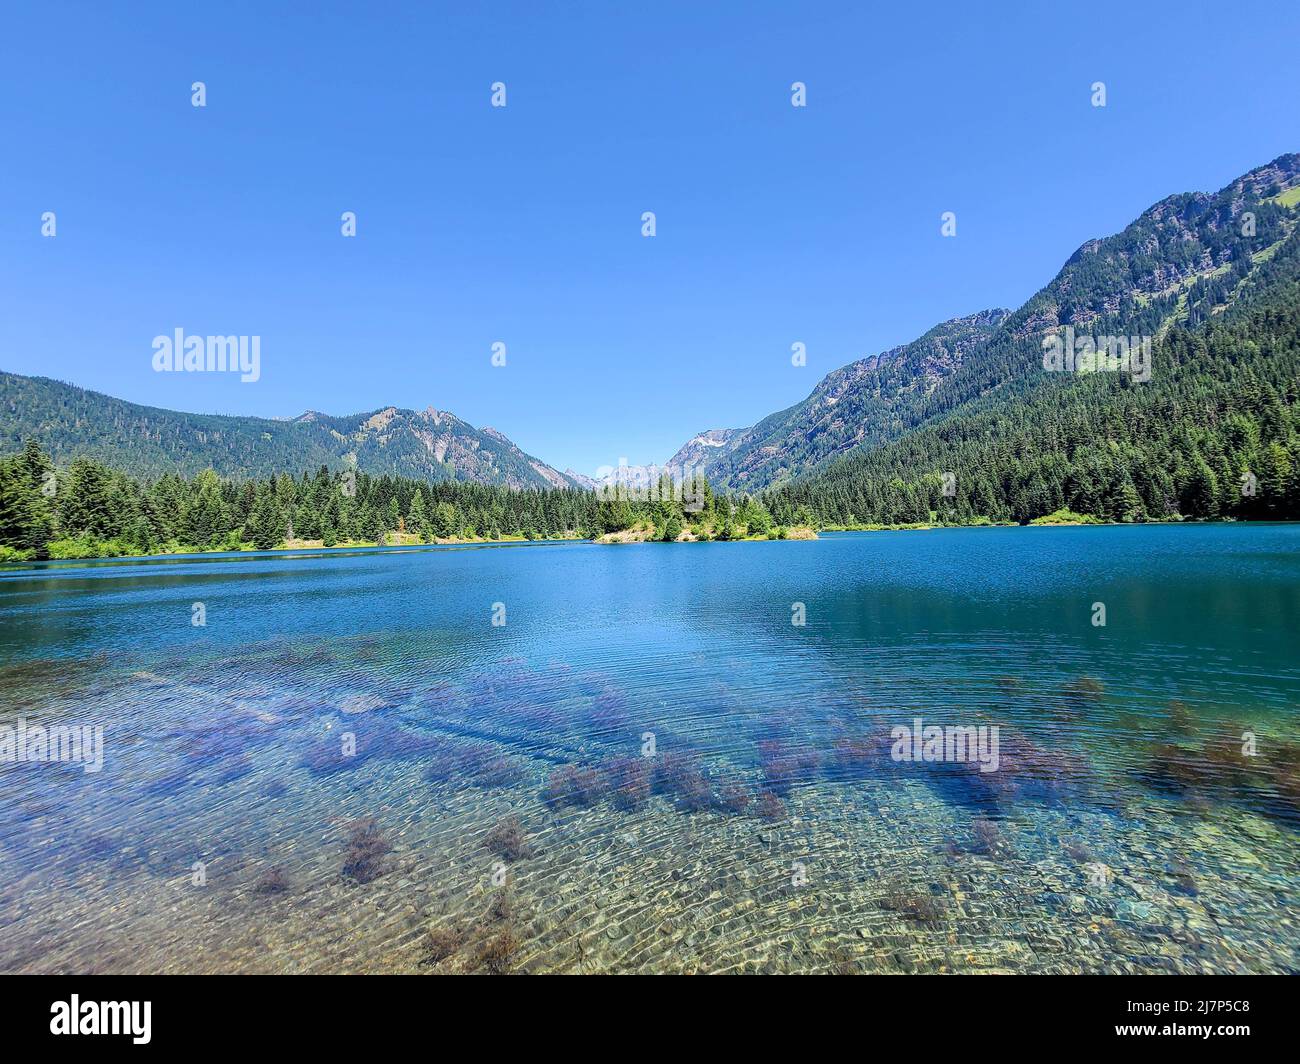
(523, 225)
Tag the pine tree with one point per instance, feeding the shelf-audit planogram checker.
(1276, 478)
(1200, 499)
(84, 501)
(445, 520)
(206, 519)
(418, 520)
(267, 533)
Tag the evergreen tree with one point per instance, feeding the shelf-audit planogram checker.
(418, 521)
(84, 502)
(267, 533)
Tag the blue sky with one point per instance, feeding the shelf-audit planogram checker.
(522, 224)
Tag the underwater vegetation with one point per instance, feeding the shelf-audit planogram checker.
(1286, 781)
(1076, 699)
(1219, 769)
(234, 768)
(1025, 769)
(988, 840)
(1076, 851)
(302, 656)
(574, 785)
(1217, 765)
(494, 951)
(507, 839)
(367, 702)
(855, 758)
(272, 881)
(1033, 770)
(495, 954)
(608, 715)
(480, 764)
(769, 807)
(1083, 691)
(501, 909)
(919, 908)
(99, 848)
(494, 938)
(1086, 687)
(499, 772)
(680, 777)
(783, 766)
(221, 741)
(539, 698)
(631, 781)
(374, 739)
(1182, 878)
(169, 782)
(628, 782)
(365, 851)
(35, 682)
(443, 942)
(449, 762)
(1179, 718)
(734, 799)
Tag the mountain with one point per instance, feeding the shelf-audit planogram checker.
(146, 441)
(1205, 278)
(580, 480)
(1183, 261)
(852, 406)
(1213, 280)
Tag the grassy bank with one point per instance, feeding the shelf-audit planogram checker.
(648, 532)
(1061, 517)
(82, 548)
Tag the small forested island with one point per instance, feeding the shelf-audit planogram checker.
(89, 510)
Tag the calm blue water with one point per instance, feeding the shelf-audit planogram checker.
(767, 829)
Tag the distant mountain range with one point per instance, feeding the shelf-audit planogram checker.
(1183, 265)
(145, 441)
(866, 402)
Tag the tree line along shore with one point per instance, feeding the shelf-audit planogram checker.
(90, 510)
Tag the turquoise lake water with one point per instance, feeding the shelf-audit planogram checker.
(646, 766)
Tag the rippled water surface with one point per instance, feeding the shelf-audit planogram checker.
(350, 767)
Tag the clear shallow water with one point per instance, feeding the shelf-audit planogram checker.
(770, 832)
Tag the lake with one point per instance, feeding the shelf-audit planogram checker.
(569, 757)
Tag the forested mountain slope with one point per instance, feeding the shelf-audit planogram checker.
(857, 404)
(1183, 261)
(1214, 433)
(147, 441)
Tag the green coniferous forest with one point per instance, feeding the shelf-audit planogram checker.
(1215, 432)
(89, 510)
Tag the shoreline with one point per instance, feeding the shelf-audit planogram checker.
(408, 541)
(649, 534)
(294, 546)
